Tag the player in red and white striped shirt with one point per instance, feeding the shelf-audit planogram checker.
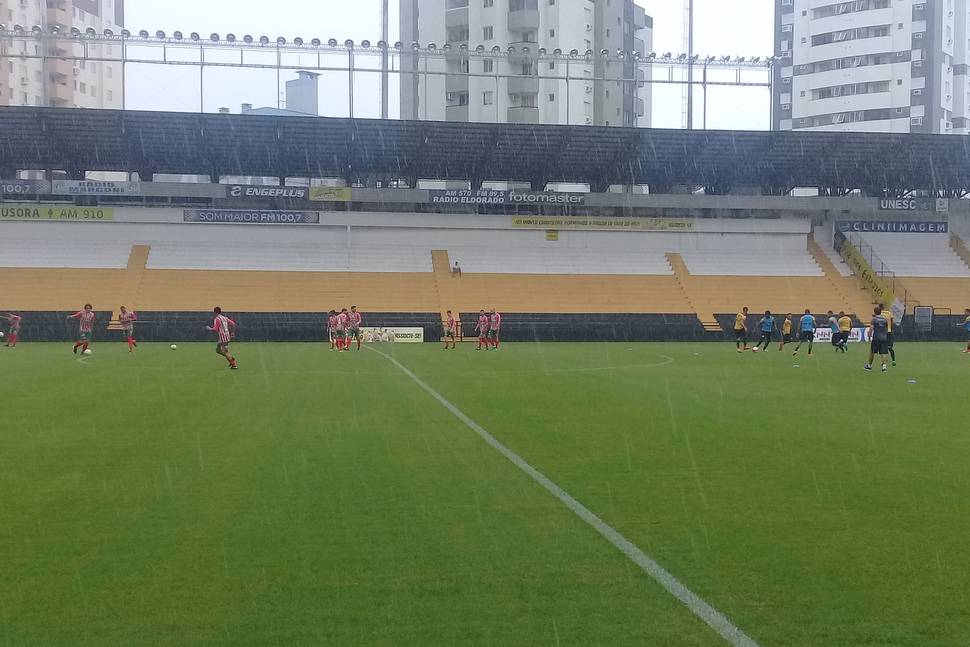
(341, 329)
(14, 332)
(482, 328)
(224, 327)
(332, 329)
(128, 319)
(86, 318)
(494, 326)
(450, 327)
(353, 326)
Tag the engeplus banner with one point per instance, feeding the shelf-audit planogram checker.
(95, 187)
(249, 217)
(493, 196)
(894, 226)
(256, 191)
(25, 187)
(67, 212)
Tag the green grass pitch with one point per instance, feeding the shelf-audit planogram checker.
(320, 498)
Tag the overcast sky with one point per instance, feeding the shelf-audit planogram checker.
(721, 27)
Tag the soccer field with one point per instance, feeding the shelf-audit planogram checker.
(312, 497)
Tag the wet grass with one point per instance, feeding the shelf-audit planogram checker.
(316, 498)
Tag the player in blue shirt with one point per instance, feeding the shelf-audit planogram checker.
(806, 332)
(766, 326)
(966, 324)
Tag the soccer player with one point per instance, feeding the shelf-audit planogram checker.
(494, 326)
(341, 331)
(86, 318)
(450, 326)
(482, 329)
(845, 329)
(834, 327)
(785, 332)
(224, 327)
(888, 314)
(128, 319)
(966, 326)
(806, 332)
(332, 329)
(767, 326)
(353, 326)
(879, 334)
(741, 329)
(14, 332)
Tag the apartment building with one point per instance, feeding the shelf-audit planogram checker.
(518, 87)
(872, 65)
(26, 78)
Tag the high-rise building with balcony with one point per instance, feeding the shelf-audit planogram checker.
(517, 86)
(872, 65)
(27, 78)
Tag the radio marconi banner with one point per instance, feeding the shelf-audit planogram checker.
(68, 212)
(94, 187)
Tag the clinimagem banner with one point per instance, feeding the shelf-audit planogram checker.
(872, 280)
(620, 224)
(55, 212)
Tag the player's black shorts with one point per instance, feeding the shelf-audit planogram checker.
(889, 340)
(836, 338)
(741, 335)
(879, 346)
(787, 338)
(806, 335)
(222, 347)
(765, 335)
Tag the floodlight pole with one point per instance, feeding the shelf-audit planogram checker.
(385, 76)
(690, 65)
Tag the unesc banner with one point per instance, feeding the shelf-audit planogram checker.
(618, 224)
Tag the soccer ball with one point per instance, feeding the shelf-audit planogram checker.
(173, 346)
(87, 352)
(1, 335)
(754, 350)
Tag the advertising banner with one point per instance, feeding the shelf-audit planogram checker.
(330, 193)
(619, 224)
(491, 196)
(939, 205)
(256, 191)
(872, 281)
(392, 335)
(893, 226)
(25, 187)
(10, 211)
(250, 217)
(95, 187)
(855, 335)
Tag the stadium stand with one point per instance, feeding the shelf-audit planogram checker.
(753, 263)
(824, 237)
(918, 255)
(486, 260)
(35, 252)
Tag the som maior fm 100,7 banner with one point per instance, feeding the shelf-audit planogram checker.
(494, 196)
(251, 217)
(67, 212)
(617, 224)
(95, 187)
(25, 187)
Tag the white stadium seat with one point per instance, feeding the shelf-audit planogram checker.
(751, 263)
(917, 255)
(538, 260)
(39, 252)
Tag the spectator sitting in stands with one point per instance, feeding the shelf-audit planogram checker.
(456, 270)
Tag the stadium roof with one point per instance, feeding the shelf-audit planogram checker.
(78, 140)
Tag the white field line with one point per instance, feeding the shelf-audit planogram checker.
(714, 618)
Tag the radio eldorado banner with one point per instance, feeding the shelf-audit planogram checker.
(632, 224)
(95, 187)
(392, 335)
(55, 212)
(489, 196)
(257, 191)
(239, 216)
(25, 187)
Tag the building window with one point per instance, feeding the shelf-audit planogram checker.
(109, 71)
(488, 98)
(488, 66)
(552, 65)
(488, 33)
(489, 3)
(83, 87)
(110, 95)
(552, 33)
(552, 97)
(786, 28)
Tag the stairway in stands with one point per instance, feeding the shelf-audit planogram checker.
(137, 262)
(852, 296)
(704, 313)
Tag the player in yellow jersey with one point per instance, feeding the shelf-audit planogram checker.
(888, 314)
(785, 332)
(845, 329)
(741, 330)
